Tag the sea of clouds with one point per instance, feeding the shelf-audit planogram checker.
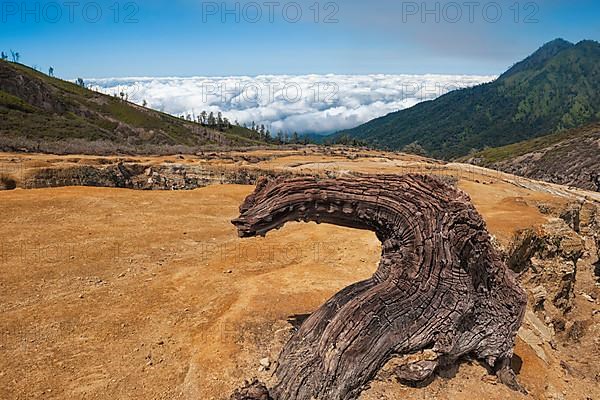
(304, 104)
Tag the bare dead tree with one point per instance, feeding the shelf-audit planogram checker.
(441, 290)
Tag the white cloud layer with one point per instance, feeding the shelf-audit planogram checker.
(305, 104)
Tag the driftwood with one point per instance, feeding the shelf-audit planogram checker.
(441, 290)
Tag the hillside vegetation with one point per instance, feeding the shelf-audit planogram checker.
(555, 89)
(39, 112)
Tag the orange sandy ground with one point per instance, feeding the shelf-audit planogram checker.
(113, 293)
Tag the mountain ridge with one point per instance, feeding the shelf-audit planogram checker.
(556, 88)
(39, 111)
(539, 57)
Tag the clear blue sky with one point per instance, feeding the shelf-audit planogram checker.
(189, 37)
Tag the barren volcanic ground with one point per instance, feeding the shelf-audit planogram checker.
(130, 294)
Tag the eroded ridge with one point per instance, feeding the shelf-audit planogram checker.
(441, 290)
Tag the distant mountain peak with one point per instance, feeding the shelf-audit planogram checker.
(554, 89)
(588, 44)
(559, 42)
(539, 58)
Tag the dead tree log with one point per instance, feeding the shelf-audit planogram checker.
(441, 290)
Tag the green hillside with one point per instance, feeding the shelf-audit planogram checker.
(36, 108)
(553, 90)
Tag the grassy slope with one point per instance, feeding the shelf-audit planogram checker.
(495, 155)
(68, 111)
(567, 158)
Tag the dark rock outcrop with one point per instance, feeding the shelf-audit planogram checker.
(143, 177)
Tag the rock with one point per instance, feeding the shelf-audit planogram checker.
(533, 341)
(571, 216)
(539, 296)
(254, 390)
(559, 324)
(588, 297)
(558, 240)
(133, 175)
(524, 245)
(588, 216)
(536, 334)
(577, 331)
(265, 362)
(568, 368)
(547, 259)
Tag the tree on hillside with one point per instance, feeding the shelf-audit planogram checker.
(15, 56)
(414, 148)
(4, 56)
(211, 119)
(219, 120)
(51, 71)
(81, 83)
(346, 141)
(203, 117)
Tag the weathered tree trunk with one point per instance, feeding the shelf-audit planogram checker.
(441, 290)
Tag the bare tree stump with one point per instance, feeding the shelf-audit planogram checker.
(441, 290)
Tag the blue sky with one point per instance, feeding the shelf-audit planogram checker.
(188, 38)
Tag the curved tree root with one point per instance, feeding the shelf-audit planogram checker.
(441, 290)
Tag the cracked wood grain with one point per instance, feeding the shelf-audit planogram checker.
(441, 290)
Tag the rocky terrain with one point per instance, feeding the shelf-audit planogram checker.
(569, 158)
(110, 292)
